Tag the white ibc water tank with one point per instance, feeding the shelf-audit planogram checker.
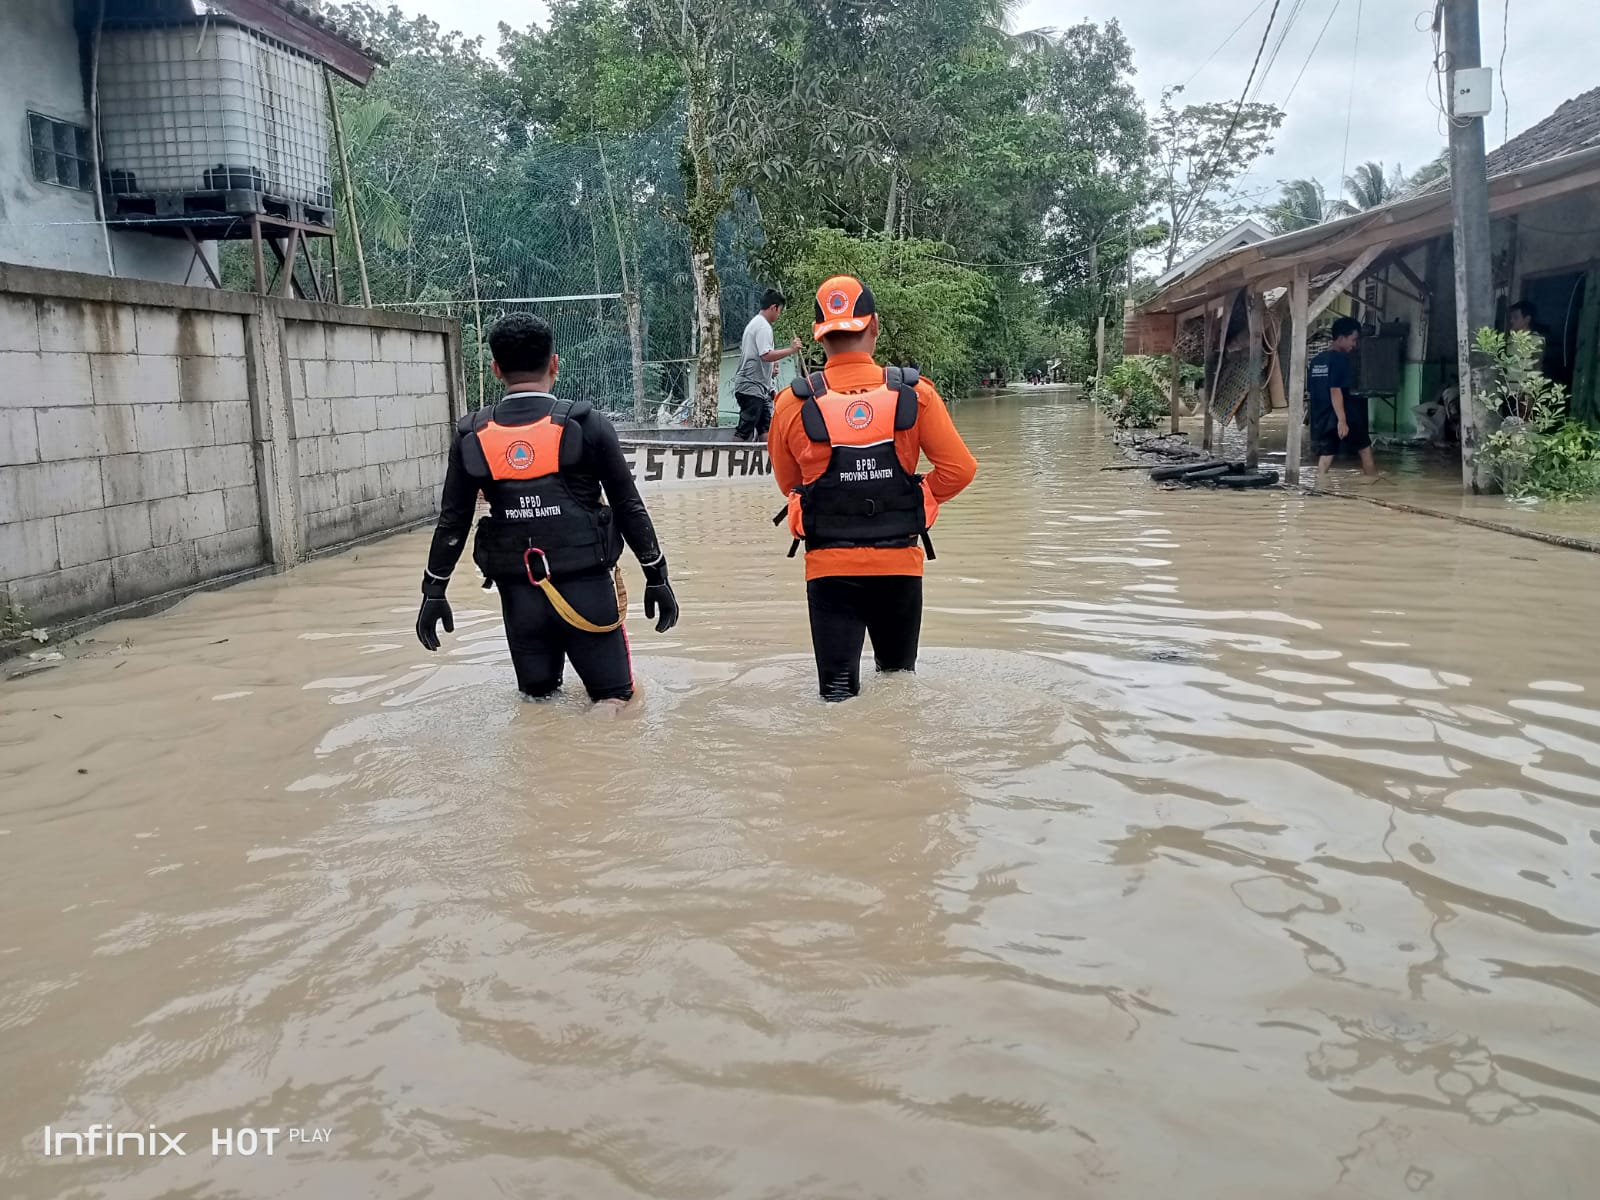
(212, 106)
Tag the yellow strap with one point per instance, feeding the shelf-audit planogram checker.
(571, 615)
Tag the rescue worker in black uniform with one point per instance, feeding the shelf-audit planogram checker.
(549, 542)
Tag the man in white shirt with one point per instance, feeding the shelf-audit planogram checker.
(752, 385)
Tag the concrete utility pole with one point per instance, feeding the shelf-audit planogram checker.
(1469, 201)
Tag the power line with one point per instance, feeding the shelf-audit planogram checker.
(1238, 110)
(1350, 107)
(1277, 47)
(1333, 12)
(1505, 100)
(1260, 4)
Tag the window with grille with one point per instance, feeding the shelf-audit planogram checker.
(60, 153)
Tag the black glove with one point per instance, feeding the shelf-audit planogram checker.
(657, 591)
(435, 608)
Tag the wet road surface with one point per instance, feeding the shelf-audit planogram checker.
(1223, 845)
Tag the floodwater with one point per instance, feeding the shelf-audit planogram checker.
(1223, 846)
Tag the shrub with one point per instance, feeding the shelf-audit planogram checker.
(1538, 452)
(1133, 393)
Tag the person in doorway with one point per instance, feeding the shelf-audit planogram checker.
(1330, 414)
(549, 542)
(1523, 317)
(845, 445)
(752, 384)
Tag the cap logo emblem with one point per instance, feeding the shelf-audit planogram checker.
(838, 302)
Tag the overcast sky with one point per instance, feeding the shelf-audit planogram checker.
(1550, 58)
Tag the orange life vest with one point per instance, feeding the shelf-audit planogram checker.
(865, 497)
(535, 519)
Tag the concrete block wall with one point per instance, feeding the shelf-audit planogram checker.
(125, 452)
(153, 438)
(372, 423)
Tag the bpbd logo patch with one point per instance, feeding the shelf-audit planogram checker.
(858, 415)
(837, 302)
(519, 456)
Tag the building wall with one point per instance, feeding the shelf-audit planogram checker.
(372, 424)
(153, 437)
(42, 224)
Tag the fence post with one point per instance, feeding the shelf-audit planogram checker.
(272, 435)
(636, 349)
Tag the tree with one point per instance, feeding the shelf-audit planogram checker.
(1101, 181)
(1201, 152)
(1434, 171)
(1370, 187)
(1302, 204)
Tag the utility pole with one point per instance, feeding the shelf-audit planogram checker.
(1469, 202)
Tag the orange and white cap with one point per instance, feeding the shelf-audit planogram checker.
(844, 305)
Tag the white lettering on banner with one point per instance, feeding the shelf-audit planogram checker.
(666, 464)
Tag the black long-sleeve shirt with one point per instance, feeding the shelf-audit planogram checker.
(600, 467)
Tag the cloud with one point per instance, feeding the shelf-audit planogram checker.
(1383, 87)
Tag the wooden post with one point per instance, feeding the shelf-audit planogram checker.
(349, 188)
(1299, 305)
(1207, 376)
(1252, 308)
(1172, 398)
(477, 307)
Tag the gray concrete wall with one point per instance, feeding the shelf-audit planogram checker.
(372, 424)
(153, 437)
(42, 224)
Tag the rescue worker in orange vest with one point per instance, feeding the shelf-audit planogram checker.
(548, 543)
(845, 445)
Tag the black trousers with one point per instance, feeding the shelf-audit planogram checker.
(755, 415)
(540, 640)
(847, 608)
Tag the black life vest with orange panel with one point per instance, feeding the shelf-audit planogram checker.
(865, 497)
(531, 507)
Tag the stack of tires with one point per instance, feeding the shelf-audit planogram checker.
(1214, 473)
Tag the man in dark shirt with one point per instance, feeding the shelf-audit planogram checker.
(1328, 382)
(549, 541)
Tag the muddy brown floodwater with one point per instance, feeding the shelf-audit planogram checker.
(1223, 846)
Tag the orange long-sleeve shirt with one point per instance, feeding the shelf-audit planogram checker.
(796, 459)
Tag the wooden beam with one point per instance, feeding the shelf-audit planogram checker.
(1299, 308)
(1404, 268)
(1172, 394)
(1252, 452)
(1346, 277)
(1251, 265)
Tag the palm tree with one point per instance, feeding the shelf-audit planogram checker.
(1436, 170)
(1302, 205)
(1370, 187)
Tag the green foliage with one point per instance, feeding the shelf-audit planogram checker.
(1134, 392)
(929, 310)
(13, 621)
(1302, 204)
(1538, 452)
(1201, 151)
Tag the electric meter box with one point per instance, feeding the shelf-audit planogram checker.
(1473, 92)
(210, 107)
